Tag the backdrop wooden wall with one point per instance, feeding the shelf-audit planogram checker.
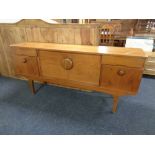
(40, 31)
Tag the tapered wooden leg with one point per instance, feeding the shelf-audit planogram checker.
(115, 103)
(31, 84)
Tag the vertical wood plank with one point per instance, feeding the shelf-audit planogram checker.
(92, 36)
(48, 35)
(59, 35)
(29, 36)
(96, 36)
(3, 58)
(8, 36)
(67, 36)
(34, 34)
(85, 36)
(77, 36)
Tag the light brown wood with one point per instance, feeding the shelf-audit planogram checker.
(115, 103)
(120, 77)
(125, 61)
(50, 65)
(31, 30)
(83, 70)
(25, 51)
(26, 65)
(31, 85)
(67, 63)
(7, 37)
(86, 68)
(98, 50)
(81, 85)
(82, 67)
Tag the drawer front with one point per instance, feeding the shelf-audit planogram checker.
(26, 52)
(121, 78)
(76, 67)
(25, 65)
(125, 61)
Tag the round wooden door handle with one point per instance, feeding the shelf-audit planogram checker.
(121, 72)
(67, 63)
(24, 60)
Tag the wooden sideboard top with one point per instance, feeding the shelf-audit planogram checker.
(100, 50)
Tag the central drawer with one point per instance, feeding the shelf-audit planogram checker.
(122, 61)
(70, 66)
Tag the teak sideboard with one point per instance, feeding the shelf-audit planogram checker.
(112, 70)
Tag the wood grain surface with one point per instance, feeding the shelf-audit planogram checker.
(39, 31)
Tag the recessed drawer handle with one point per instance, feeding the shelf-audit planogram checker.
(121, 72)
(24, 60)
(67, 63)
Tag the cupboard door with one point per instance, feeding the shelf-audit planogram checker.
(26, 65)
(86, 68)
(121, 78)
(50, 65)
(83, 68)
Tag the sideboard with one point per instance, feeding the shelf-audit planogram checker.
(113, 70)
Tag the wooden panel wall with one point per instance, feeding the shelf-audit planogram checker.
(40, 31)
